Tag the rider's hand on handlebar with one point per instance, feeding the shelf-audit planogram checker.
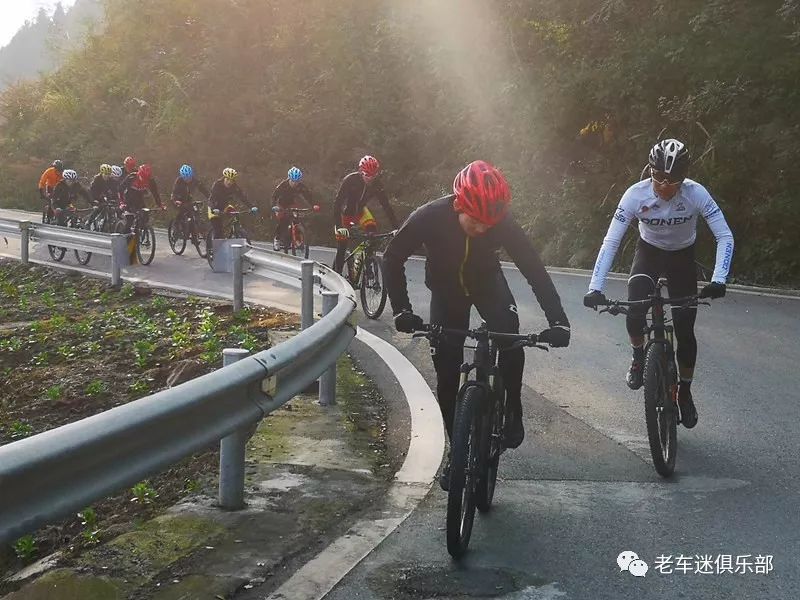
(593, 299)
(341, 232)
(557, 335)
(315, 208)
(713, 290)
(253, 209)
(407, 322)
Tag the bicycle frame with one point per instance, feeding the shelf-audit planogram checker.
(365, 248)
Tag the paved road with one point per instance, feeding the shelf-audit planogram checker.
(581, 489)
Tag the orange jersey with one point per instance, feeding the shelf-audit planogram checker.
(49, 179)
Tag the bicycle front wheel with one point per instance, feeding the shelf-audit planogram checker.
(491, 449)
(146, 245)
(209, 244)
(464, 466)
(660, 411)
(176, 236)
(373, 290)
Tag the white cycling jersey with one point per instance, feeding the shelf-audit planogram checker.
(666, 224)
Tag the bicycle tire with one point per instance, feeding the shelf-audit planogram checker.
(372, 281)
(209, 243)
(661, 414)
(145, 244)
(464, 458)
(492, 424)
(82, 256)
(176, 236)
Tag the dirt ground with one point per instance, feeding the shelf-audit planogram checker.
(72, 347)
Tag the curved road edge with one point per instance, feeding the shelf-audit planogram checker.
(412, 481)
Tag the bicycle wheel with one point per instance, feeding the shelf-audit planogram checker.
(373, 291)
(81, 256)
(303, 235)
(491, 449)
(209, 243)
(464, 465)
(660, 411)
(146, 244)
(176, 237)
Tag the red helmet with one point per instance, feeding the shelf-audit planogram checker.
(145, 171)
(130, 163)
(369, 166)
(482, 193)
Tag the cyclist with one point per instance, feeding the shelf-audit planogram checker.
(285, 196)
(130, 165)
(222, 193)
(350, 206)
(50, 177)
(104, 189)
(667, 206)
(181, 195)
(133, 188)
(66, 192)
(461, 233)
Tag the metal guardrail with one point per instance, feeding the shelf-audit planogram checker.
(56, 473)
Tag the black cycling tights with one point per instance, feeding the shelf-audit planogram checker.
(498, 308)
(650, 263)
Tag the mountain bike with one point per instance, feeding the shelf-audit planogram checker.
(476, 442)
(138, 223)
(68, 217)
(296, 240)
(235, 231)
(104, 217)
(184, 227)
(661, 410)
(365, 271)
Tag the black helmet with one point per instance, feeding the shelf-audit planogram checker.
(58, 165)
(670, 157)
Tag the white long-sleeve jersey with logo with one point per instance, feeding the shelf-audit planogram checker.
(666, 224)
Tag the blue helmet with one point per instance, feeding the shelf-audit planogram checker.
(186, 172)
(295, 174)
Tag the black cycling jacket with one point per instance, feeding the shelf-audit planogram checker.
(182, 189)
(458, 265)
(221, 196)
(285, 195)
(64, 194)
(353, 196)
(104, 190)
(131, 189)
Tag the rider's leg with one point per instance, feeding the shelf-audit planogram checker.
(499, 309)
(641, 283)
(448, 311)
(341, 250)
(682, 281)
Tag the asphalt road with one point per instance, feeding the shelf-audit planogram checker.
(581, 488)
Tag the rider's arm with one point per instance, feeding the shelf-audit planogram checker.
(623, 216)
(530, 264)
(306, 194)
(43, 181)
(153, 186)
(125, 185)
(339, 202)
(408, 238)
(241, 195)
(179, 190)
(719, 227)
(384, 200)
(81, 191)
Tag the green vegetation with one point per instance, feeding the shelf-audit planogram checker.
(143, 493)
(25, 547)
(566, 96)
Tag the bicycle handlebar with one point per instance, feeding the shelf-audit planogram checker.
(617, 307)
(518, 340)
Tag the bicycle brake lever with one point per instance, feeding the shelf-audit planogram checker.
(540, 347)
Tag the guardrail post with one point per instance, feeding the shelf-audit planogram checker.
(327, 383)
(24, 240)
(307, 296)
(231, 451)
(238, 279)
(119, 257)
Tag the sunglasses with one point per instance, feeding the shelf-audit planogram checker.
(662, 178)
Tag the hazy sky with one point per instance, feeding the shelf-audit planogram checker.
(16, 12)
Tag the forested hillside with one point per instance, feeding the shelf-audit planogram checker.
(41, 44)
(566, 96)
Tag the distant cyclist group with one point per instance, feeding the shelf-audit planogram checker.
(462, 234)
